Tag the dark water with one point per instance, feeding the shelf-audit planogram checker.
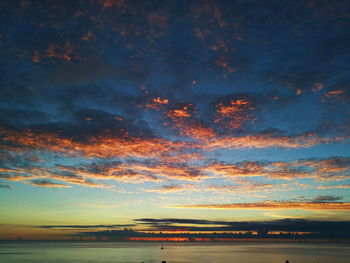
(64, 252)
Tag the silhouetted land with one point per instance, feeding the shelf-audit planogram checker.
(130, 235)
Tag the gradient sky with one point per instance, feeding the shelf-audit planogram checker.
(116, 110)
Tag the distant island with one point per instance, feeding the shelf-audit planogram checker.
(130, 235)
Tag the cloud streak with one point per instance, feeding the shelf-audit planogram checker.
(272, 225)
(276, 205)
(46, 183)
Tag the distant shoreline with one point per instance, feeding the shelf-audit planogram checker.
(253, 240)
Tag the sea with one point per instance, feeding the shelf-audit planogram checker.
(147, 252)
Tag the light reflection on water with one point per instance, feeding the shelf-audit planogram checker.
(107, 252)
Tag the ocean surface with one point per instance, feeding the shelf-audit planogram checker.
(107, 252)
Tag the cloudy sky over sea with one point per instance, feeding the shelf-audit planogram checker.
(145, 114)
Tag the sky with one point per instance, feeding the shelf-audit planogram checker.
(140, 114)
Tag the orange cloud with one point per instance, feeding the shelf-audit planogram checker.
(335, 92)
(242, 188)
(276, 205)
(69, 178)
(164, 159)
(266, 141)
(223, 62)
(41, 175)
(196, 130)
(88, 36)
(339, 95)
(246, 169)
(190, 127)
(160, 100)
(181, 112)
(235, 112)
(157, 103)
(117, 172)
(8, 170)
(16, 177)
(158, 239)
(329, 165)
(137, 172)
(181, 157)
(344, 186)
(329, 168)
(318, 86)
(170, 159)
(119, 143)
(102, 146)
(171, 171)
(53, 51)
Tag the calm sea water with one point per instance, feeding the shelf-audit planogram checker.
(64, 252)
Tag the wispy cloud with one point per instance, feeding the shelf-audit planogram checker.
(104, 204)
(165, 189)
(326, 198)
(344, 186)
(5, 186)
(272, 205)
(234, 112)
(46, 183)
(84, 226)
(285, 224)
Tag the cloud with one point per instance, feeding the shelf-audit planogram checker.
(178, 220)
(110, 136)
(242, 169)
(84, 226)
(70, 178)
(267, 140)
(157, 103)
(244, 186)
(234, 113)
(326, 199)
(214, 228)
(287, 224)
(181, 111)
(173, 188)
(337, 95)
(195, 129)
(42, 177)
(137, 171)
(279, 205)
(345, 186)
(103, 205)
(15, 177)
(46, 183)
(102, 146)
(330, 168)
(20, 164)
(5, 186)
